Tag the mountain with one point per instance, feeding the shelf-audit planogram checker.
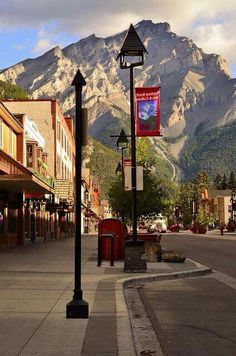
(197, 92)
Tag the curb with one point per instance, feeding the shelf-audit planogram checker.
(129, 335)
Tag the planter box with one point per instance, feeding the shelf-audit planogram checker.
(174, 228)
(173, 256)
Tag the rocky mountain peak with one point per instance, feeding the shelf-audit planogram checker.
(155, 27)
(195, 86)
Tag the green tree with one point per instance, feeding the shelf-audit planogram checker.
(224, 182)
(104, 169)
(201, 217)
(201, 181)
(232, 181)
(11, 91)
(158, 193)
(187, 194)
(217, 181)
(154, 199)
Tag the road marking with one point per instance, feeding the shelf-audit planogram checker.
(224, 278)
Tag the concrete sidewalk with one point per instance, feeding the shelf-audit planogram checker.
(36, 283)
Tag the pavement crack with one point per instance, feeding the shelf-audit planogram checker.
(220, 336)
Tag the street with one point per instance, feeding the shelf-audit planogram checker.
(218, 253)
(196, 316)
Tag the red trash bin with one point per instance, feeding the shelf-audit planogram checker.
(118, 229)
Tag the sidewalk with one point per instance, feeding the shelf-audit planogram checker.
(36, 283)
(213, 234)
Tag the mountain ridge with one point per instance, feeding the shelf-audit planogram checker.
(196, 88)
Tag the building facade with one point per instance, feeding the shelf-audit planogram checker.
(16, 179)
(50, 151)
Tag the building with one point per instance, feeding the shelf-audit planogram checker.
(55, 160)
(56, 129)
(220, 205)
(16, 179)
(92, 210)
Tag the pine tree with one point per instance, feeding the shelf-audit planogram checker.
(224, 182)
(217, 181)
(232, 181)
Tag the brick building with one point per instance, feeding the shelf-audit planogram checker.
(16, 180)
(57, 156)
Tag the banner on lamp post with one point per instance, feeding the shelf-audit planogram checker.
(147, 111)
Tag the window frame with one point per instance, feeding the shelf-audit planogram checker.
(11, 143)
(1, 133)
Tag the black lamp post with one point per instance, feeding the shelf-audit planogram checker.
(86, 195)
(77, 307)
(122, 144)
(194, 211)
(132, 55)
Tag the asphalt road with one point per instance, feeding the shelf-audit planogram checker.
(196, 316)
(217, 253)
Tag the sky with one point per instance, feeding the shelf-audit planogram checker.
(29, 28)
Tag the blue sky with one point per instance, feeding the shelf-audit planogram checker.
(30, 28)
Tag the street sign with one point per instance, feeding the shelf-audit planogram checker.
(128, 178)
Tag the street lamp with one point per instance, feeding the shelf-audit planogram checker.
(194, 211)
(132, 55)
(77, 307)
(176, 211)
(122, 144)
(86, 195)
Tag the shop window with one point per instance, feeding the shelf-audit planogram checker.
(12, 220)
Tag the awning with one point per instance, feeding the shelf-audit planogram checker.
(22, 183)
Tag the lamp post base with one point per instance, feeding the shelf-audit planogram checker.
(77, 309)
(135, 260)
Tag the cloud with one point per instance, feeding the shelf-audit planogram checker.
(211, 24)
(19, 47)
(43, 43)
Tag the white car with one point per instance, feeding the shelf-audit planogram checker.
(157, 225)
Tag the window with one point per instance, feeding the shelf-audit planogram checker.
(10, 142)
(29, 155)
(64, 143)
(58, 130)
(62, 138)
(62, 169)
(1, 133)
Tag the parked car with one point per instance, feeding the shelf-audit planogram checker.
(159, 224)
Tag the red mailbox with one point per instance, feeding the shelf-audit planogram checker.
(118, 230)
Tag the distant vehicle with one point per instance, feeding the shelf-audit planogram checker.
(159, 224)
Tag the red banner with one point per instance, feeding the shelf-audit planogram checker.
(147, 111)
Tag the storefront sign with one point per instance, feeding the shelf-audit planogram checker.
(63, 189)
(147, 111)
